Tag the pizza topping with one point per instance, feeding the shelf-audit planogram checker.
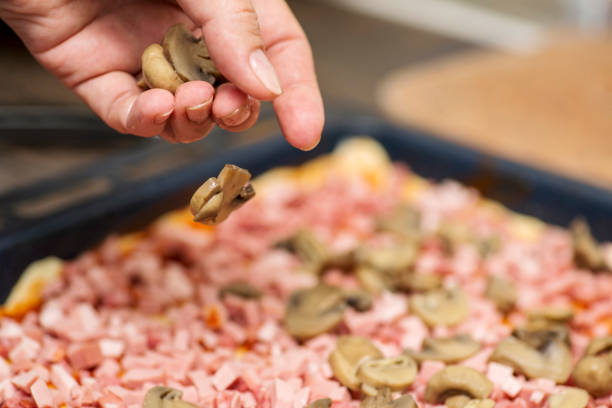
(480, 403)
(538, 354)
(441, 307)
(383, 399)
(552, 314)
(165, 397)
(599, 346)
(587, 253)
(569, 397)
(311, 251)
(213, 202)
(446, 349)
(395, 373)
(594, 374)
(349, 354)
(418, 282)
(405, 221)
(393, 259)
(370, 279)
(314, 311)
(502, 291)
(320, 403)
(240, 289)
(358, 299)
(457, 380)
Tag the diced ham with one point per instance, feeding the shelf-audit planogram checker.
(25, 351)
(9, 329)
(177, 284)
(63, 381)
(5, 369)
(139, 376)
(226, 375)
(41, 394)
(112, 348)
(85, 355)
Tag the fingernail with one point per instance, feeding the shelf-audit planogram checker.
(309, 148)
(237, 117)
(199, 113)
(159, 119)
(263, 69)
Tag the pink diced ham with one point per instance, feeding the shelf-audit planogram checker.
(85, 355)
(112, 348)
(25, 351)
(139, 376)
(41, 394)
(63, 381)
(5, 369)
(226, 375)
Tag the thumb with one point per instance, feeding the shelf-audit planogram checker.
(231, 31)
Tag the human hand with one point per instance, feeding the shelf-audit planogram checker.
(94, 47)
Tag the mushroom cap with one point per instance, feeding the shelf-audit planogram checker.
(188, 55)
(157, 71)
(569, 397)
(594, 375)
(502, 291)
(349, 353)
(457, 380)
(314, 311)
(445, 307)
(446, 349)
(552, 360)
(396, 372)
(359, 300)
(599, 346)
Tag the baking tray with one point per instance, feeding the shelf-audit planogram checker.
(128, 204)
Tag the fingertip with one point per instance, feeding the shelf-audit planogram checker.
(301, 116)
(149, 112)
(194, 100)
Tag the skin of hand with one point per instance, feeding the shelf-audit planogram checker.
(94, 47)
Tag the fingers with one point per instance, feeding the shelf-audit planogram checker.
(231, 31)
(233, 110)
(191, 120)
(123, 106)
(300, 108)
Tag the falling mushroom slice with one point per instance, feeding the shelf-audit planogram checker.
(213, 202)
(457, 380)
(587, 253)
(447, 349)
(314, 311)
(502, 292)
(165, 397)
(569, 397)
(350, 352)
(551, 359)
(441, 307)
(395, 373)
(320, 403)
(594, 374)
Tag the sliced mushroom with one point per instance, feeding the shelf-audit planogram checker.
(383, 399)
(213, 202)
(594, 374)
(587, 253)
(502, 292)
(480, 403)
(311, 251)
(446, 349)
(552, 314)
(350, 352)
(488, 246)
(569, 397)
(370, 279)
(314, 311)
(240, 289)
(157, 72)
(395, 373)
(358, 299)
(457, 380)
(457, 401)
(538, 334)
(417, 282)
(165, 397)
(404, 221)
(441, 307)
(453, 234)
(388, 259)
(550, 359)
(599, 346)
(320, 403)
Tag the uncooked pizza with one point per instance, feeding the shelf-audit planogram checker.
(347, 282)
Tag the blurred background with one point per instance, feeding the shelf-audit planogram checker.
(529, 80)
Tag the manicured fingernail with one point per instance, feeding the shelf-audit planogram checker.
(199, 113)
(237, 117)
(263, 69)
(159, 119)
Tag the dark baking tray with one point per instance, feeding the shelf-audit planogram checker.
(130, 205)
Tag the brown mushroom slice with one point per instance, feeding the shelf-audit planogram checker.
(383, 399)
(320, 403)
(599, 346)
(305, 244)
(157, 72)
(314, 311)
(594, 374)
(214, 200)
(189, 56)
(441, 307)
(446, 349)
(416, 282)
(350, 352)
(358, 299)
(404, 221)
(537, 335)
(480, 403)
(457, 401)
(553, 314)
(240, 289)
(502, 291)
(551, 360)
(388, 259)
(457, 380)
(587, 253)
(165, 397)
(370, 279)
(569, 397)
(453, 234)
(405, 401)
(396, 373)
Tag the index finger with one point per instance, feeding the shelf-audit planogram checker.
(300, 107)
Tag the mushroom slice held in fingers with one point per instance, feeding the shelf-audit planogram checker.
(446, 349)
(214, 200)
